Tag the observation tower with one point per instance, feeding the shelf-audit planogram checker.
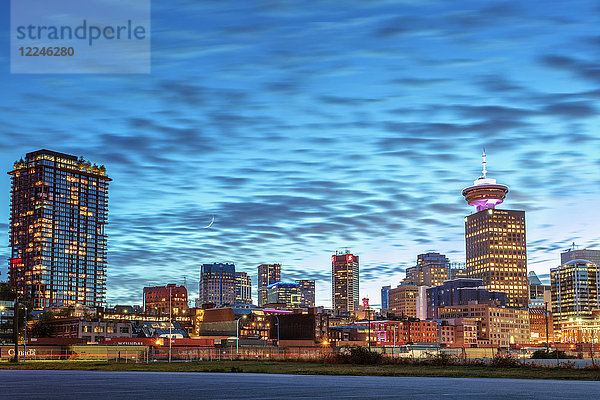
(485, 192)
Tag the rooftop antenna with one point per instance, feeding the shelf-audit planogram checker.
(484, 163)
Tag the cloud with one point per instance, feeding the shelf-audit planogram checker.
(584, 69)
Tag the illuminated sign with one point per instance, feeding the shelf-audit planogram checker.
(30, 352)
(350, 257)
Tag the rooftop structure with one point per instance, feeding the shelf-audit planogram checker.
(485, 192)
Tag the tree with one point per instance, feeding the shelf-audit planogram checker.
(43, 327)
(7, 290)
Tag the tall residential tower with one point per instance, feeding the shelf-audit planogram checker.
(495, 241)
(59, 207)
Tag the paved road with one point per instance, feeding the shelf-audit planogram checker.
(90, 385)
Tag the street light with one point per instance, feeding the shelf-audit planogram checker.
(2, 308)
(277, 334)
(16, 328)
(237, 335)
(25, 337)
(394, 348)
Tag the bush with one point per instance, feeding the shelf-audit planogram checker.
(505, 362)
(543, 354)
(440, 358)
(356, 355)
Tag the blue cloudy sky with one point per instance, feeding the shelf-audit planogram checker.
(306, 127)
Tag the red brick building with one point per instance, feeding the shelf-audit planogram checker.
(156, 300)
(406, 331)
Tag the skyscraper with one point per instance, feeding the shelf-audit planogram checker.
(590, 255)
(217, 284)
(59, 206)
(385, 295)
(306, 289)
(495, 241)
(344, 282)
(243, 288)
(575, 291)
(287, 293)
(434, 269)
(267, 275)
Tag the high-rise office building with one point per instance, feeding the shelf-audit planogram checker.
(575, 291)
(59, 207)
(385, 295)
(267, 275)
(287, 293)
(539, 294)
(496, 242)
(243, 289)
(344, 282)
(412, 276)
(460, 292)
(432, 269)
(590, 255)
(306, 289)
(217, 284)
(403, 301)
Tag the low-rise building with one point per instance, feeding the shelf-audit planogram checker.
(464, 329)
(165, 300)
(7, 314)
(458, 292)
(496, 325)
(252, 324)
(581, 330)
(541, 327)
(299, 329)
(90, 330)
(407, 330)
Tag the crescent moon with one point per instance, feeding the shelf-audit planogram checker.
(209, 225)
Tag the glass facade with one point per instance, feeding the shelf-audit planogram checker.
(575, 288)
(267, 275)
(287, 293)
(7, 313)
(306, 288)
(59, 207)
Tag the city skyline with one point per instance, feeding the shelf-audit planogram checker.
(305, 131)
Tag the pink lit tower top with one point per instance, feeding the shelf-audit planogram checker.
(485, 192)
